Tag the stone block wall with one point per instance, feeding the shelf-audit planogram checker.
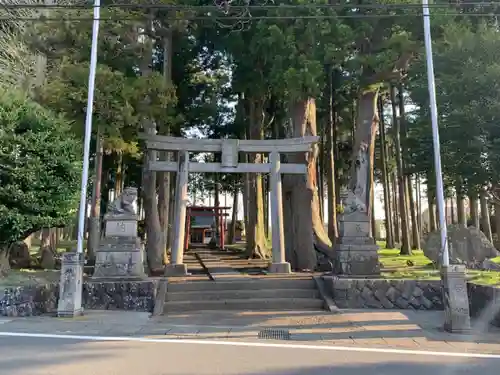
(484, 302)
(385, 294)
(29, 300)
(125, 295)
(42, 299)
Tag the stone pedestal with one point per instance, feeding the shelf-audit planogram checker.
(70, 285)
(172, 270)
(455, 299)
(120, 254)
(280, 268)
(355, 250)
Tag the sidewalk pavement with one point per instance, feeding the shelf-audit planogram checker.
(411, 330)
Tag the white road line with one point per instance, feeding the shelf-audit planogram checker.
(252, 344)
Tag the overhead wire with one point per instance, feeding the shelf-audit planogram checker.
(208, 9)
(149, 5)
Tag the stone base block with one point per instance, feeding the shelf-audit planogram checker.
(121, 226)
(173, 270)
(70, 285)
(455, 299)
(354, 262)
(280, 268)
(119, 258)
(70, 314)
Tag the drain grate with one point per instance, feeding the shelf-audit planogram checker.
(274, 334)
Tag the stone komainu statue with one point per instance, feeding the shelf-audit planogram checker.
(125, 203)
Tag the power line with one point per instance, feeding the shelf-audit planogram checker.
(245, 14)
(242, 18)
(247, 7)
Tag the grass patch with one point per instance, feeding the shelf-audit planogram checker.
(418, 267)
(26, 277)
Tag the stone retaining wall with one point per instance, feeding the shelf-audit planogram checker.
(385, 294)
(347, 293)
(484, 302)
(131, 295)
(28, 300)
(42, 299)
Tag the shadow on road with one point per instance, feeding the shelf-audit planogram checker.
(483, 367)
(25, 355)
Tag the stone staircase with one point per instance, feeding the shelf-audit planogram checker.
(274, 293)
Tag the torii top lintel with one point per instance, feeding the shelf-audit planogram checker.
(288, 145)
(229, 149)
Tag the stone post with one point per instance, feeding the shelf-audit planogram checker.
(355, 250)
(455, 298)
(70, 285)
(177, 266)
(120, 254)
(279, 264)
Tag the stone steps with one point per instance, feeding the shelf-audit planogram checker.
(253, 304)
(219, 295)
(293, 282)
(293, 292)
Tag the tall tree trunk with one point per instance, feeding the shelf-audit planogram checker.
(265, 189)
(409, 198)
(497, 224)
(447, 211)
(395, 205)
(373, 223)
(415, 229)
(419, 203)
(405, 234)
(154, 233)
(331, 135)
(164, 177)
(4, 259)
(452, 210)
(301, 200)
(47, 250)
(256, 234)
(474, 210)
(432, 209)
(246, 192)
(319, 172)
(385, 180)
(95, 209)
(485, 215)
(217, 205)
(461, 215)
(119, 174)
(234, 216)
(54, 240)
(171, 211)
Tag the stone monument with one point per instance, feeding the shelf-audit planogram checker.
(70, 285)
(467, 246)
(455, 298)
(120, 253)
(355, 249)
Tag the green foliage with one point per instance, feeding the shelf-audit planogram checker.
(467, 71)
(40, 164)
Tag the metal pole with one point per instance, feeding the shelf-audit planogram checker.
(435, 132)
(88, 126)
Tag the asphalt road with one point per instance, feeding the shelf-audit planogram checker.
(44, 356)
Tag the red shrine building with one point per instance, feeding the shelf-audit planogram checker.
(201, 225)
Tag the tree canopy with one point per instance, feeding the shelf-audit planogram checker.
(40, 165)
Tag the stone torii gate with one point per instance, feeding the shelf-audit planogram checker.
(230, 149)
